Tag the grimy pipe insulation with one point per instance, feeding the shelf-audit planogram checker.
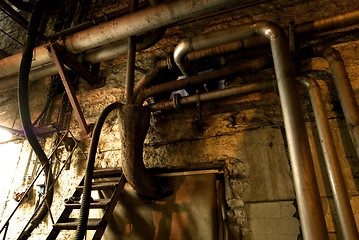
(305, 184)
(23, 98)
(340, 193)
(120, 28)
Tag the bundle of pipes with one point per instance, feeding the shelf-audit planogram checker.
(312, 218)
(145, 20)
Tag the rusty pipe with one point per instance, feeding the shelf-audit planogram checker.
(210, 96)
(120, 28)
(9, 66)
(340, 193)
(246, 67)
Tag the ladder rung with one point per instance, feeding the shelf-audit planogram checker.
(107, 172)
(71, 224)
(96, 204)
(100, 186)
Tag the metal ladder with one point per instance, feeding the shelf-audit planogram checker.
(103, 179)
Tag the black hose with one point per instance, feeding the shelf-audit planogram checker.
(86, 195)
(23, 98)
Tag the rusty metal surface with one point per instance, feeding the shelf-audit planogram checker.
(70, 92)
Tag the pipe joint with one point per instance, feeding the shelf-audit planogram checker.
(181, 50)
(270, 30)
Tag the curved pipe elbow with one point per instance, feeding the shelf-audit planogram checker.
(270, 30)
(181, 50)
(309, 83)
(135, 121)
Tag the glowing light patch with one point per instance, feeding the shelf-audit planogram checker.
(4, 135)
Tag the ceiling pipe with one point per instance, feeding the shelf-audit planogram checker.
(9, 66)
(305, 184)
(120, 28)
(302, 29)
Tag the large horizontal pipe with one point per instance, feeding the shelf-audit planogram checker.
(120, 28)
(10, 66)
(213, 95)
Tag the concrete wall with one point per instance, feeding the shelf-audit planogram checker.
(245, 134)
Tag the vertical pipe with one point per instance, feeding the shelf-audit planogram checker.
(340, 194)
(305, 183)
(345, 91)
(130, 74)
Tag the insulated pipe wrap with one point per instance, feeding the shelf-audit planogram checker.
(141, 21)
(135, 121)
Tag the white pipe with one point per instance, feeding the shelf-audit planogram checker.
(120, 28)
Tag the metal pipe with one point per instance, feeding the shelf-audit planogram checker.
(166, 63)
(120, 28)
(303, 29)
(92, 22)
(327, 24)
(246, 67)
(118, 49)
(305, 184)
(141, 21)
(210, 96)
(345, 91)
(340, 193)
(131, 59)
(9, 66)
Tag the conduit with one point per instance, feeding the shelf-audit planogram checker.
(305, 184)
(340, 193)
(23, 99)
(86, 196)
